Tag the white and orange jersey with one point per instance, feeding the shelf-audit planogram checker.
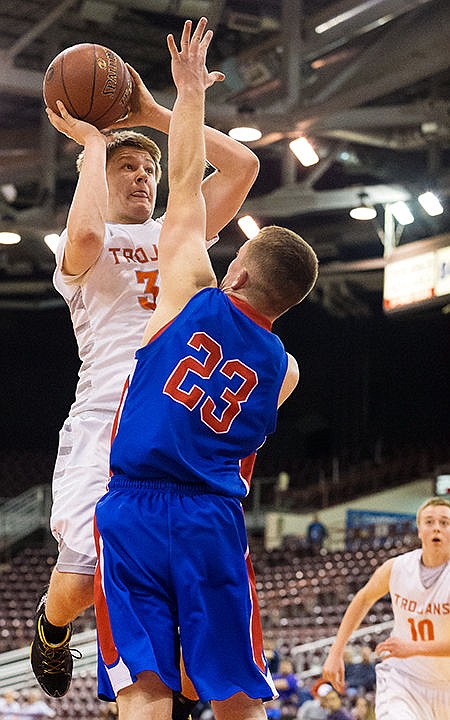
(420, 614)
(109, 306)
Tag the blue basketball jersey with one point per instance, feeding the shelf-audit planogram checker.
(203, 395)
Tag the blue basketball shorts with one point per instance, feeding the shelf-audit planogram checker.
(174, 568)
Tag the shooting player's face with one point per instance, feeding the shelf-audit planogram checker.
(131, 176)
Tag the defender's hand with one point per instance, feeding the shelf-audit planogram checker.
(189, 64)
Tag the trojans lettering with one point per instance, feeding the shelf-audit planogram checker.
(132, 255)
(432, 608)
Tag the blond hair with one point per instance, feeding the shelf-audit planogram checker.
(129, 138)
(431, 502)
(283, 269)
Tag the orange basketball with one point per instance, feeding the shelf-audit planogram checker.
(92, 81)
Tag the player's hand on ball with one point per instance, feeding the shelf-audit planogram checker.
(142, 106)
(76, 130)
(333, 672)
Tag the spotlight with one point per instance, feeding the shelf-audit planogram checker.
(52, 240)
(9, 238)
(430, 203)
(9, 192)
(363, 211)
(402, 213)
(249, 226)
(304, 151)
(245, 134)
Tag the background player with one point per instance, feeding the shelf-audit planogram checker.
(172, 544)
(413, 681)
(107, 271)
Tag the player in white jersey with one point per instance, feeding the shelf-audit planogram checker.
(107, 273)
(413, 679)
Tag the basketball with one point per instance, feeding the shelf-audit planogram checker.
(93, 83)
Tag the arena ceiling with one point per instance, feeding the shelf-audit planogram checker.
(366, 81)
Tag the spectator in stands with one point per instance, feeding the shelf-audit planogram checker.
(35, 708)
(9, 707)
(316, 533)
(362, 709)
(313, 709)
(332, 703)
(272, 655)
(360, 676)
(413, 681)
(285, 681)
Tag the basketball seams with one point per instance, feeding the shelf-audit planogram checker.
(118, 93)
(69, 107)
(93, 88)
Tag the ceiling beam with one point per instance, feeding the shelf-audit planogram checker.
(298, 199)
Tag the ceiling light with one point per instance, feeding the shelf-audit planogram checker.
(52, 240)
(363, 211)
(9, 192)
(348, 15)
(9, 238)
(304, 151)
(430, 203)
(402, 213)
(245, 134)
(249, 226)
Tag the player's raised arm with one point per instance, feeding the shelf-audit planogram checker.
(88, 210)
(183, 261)
(236, 166)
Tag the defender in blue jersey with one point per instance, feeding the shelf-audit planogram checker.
(173, 556)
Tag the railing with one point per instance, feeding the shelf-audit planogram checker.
(15, 668)
(298, 650)
(20, 516)
(16, 673)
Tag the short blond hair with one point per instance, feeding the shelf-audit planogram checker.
(129, 138)
(432, 502)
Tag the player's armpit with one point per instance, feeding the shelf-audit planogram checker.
(290, 381)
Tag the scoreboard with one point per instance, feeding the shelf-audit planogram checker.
(442, 485)
(417, 275)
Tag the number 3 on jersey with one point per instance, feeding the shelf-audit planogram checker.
(212, 362)
(148, 278)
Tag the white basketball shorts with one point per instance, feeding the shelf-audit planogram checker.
(401, 697)
(80, 477)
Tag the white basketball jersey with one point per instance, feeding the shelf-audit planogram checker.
(420, 614)
(109, 306)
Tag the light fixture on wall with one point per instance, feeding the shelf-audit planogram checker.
(363, 211)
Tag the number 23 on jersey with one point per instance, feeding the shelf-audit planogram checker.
(194, 396)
